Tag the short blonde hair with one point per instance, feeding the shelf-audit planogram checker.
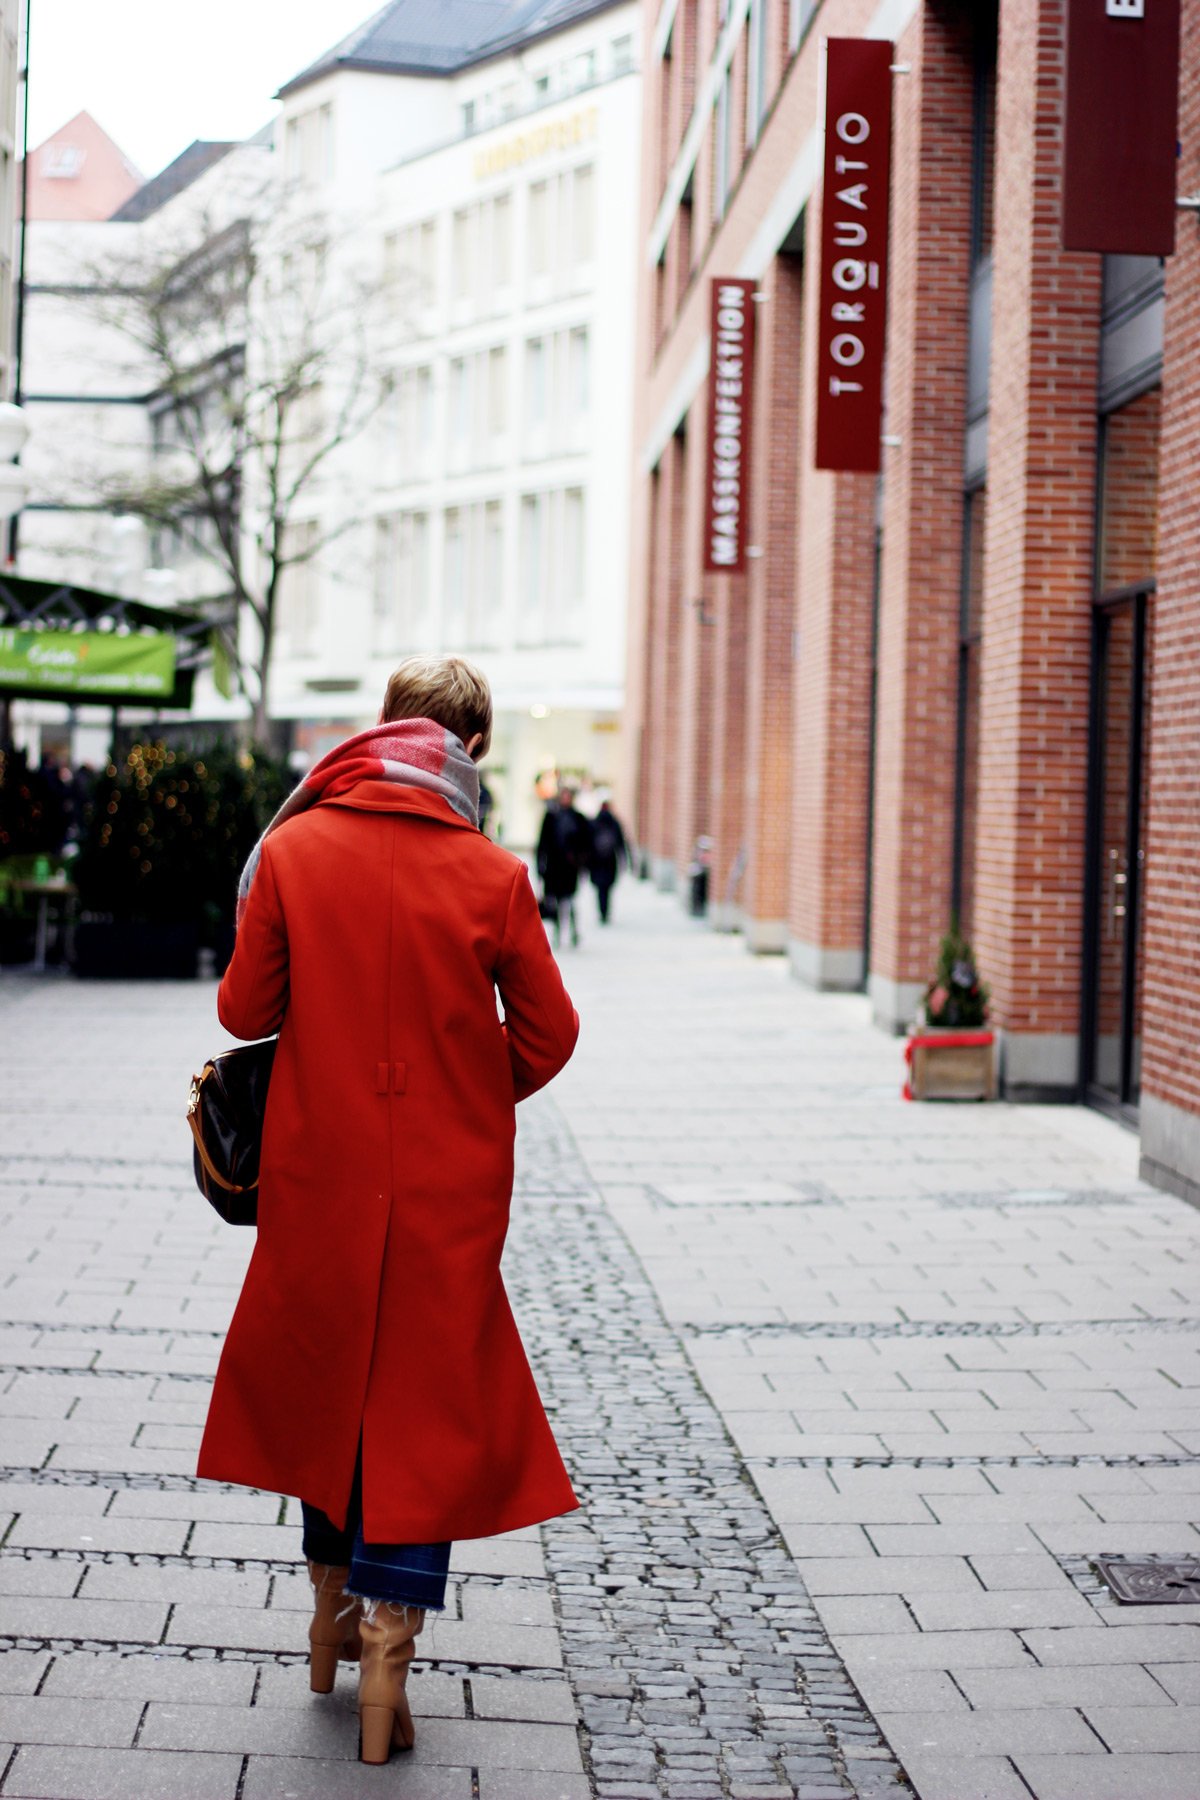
(447, 689)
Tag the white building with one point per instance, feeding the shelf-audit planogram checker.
(476, 165)
(502, 175)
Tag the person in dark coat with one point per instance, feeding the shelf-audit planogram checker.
(609, 853)
(563, 852)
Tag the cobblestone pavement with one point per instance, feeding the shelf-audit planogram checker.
(658, 1643)
(958, 1349)
(854, 1393)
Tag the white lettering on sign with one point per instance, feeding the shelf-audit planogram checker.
(1125, 9)
(725, 503)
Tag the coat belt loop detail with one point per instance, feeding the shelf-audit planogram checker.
(399, 1078)
(381, 1078)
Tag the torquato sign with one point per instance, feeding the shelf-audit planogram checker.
(854, 246)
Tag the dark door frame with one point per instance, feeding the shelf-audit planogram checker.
(1119, 1105)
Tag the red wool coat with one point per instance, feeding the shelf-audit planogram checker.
(379, 928)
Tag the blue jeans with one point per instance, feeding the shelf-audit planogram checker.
(405, 1574)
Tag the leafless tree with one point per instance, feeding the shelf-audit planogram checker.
(261, 343)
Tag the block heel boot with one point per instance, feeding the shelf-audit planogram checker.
(388, 1647)
(333, 1635)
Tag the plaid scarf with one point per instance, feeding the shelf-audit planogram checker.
(414, 752)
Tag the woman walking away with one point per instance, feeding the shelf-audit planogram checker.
(609, 851)
(373, 1366)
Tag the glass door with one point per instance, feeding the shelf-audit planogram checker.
(1113, 997)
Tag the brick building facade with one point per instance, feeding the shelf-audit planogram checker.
(971, 686)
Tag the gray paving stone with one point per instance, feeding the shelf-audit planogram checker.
(550, 1702)
(43, 1499)
(86, 1675)
(528, 1784)
(64, 1531)
(933, 1650)
(517, 1646)
(285, 1778)
(21, 1671)
(116, 1621)
(1131, 1644)
(42, 1773)
(1015, 1609)
(1117, 1777)
(200, 1505)
(507, 1604)
(53, 1720)
(174, 1584)
(324, 1731)
(909, 1690)
(1003, 1574)
(887, 1575)
(236, 1628)
(866, 1612)
(966, 1778)
(266, 1543)
(1146, 1728)
(1102, 1685)
(990, 1731)
(39, 1575)
(498, 1556)
(485, 1744)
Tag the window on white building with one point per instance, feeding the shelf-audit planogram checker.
(462, 255)
(622, 55)
(502, 240)
(571, 561)
(492, 573)
(578, 372)
(539, 228)
(427, 260)
(425, 426)
(455, 577)
(583, 215)
(585, 69)
(535, 384)
(468, 117)
(541, 89)
(297, 602)
(531, 564)
(460, 412)
(497, 392)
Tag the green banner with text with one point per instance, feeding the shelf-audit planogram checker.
(89, 663)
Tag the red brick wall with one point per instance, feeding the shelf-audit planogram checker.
(694, 748)
(1038, 558)
(922, 519)
(831, 682)
(771, 594)
(1172, 984)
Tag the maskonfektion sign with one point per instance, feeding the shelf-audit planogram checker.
(730, 421)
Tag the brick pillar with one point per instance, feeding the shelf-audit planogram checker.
(1171, 1021)
(727, 778)
(660, 734)
(922, 520)
(831, 701)
(693, 749)
(771, 603)
(1036, 652)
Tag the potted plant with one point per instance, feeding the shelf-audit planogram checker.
(951, 1053)
(163, 842)
(33, 824)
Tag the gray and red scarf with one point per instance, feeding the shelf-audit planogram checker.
(413, 752)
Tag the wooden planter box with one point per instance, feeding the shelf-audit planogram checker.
(946, 1063)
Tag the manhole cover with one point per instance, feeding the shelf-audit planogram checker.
(1152, 1583)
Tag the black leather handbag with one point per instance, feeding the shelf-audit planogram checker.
(225, 1112)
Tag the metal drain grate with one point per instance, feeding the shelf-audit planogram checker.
(1157, 1583)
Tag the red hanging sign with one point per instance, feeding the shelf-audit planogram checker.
(854, 242)
(1119, 164)
(730, 416)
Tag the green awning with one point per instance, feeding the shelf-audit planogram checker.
(78, 645)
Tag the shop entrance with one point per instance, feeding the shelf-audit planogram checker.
(1116, 860)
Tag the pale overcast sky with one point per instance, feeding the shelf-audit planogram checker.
(156, 74)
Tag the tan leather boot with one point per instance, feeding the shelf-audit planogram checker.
(388, 1647)
(334, 1632)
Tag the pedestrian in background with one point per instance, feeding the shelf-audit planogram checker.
(373, 1366)
(609, 854)
(563, 852)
